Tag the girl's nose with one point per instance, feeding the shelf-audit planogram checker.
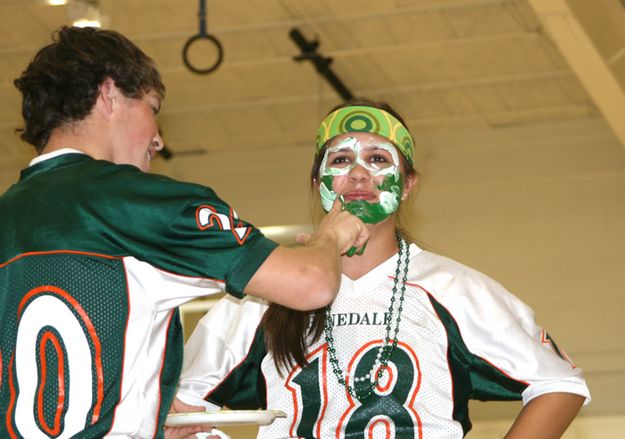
(359, 173)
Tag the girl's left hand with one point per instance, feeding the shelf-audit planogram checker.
(188, 432)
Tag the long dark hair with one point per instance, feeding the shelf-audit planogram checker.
(288, 332)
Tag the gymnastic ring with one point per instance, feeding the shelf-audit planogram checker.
(220, 54)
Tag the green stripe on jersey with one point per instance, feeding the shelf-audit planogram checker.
(473, 377)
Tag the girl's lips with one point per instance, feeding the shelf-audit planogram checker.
(360, 195)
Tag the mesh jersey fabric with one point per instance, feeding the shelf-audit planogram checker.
(462, 336)
(94, 260)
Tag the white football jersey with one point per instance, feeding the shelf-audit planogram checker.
(461, 336)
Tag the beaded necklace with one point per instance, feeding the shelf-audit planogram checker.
(385, 351)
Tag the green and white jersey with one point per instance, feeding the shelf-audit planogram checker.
(94, 260)
(462, 336)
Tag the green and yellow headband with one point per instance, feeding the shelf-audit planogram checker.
(366, 119)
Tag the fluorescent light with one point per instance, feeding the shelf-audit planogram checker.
(57, 2)
(285, 234)
(83, 22)
(85, 13)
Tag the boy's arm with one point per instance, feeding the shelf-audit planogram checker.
(308, 277)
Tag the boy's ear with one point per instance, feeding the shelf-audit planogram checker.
(107, 96)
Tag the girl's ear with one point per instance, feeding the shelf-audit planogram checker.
(410, 183)
(315, 181)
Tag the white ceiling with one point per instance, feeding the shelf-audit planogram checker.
(478, 62)
(515, 146)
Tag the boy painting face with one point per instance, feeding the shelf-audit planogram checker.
(90, 102)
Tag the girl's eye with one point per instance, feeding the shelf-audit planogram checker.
(378, 158)
(340, 160)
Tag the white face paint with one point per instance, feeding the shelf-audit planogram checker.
(380, 158)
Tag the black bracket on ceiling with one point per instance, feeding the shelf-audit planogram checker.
(166, 153)
(321, 63)
(202, 35)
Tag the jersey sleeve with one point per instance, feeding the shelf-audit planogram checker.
(508, 348)
(223, 356)
(185, 229)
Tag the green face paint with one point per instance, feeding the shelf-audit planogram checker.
(344, 157)
(372, 213)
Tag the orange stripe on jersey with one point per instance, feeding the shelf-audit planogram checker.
(56, 428)
(546, 340)
(238, 225)
(324, 375)
(90, 329)
(387, 428)
(210, 220)
(417, 387)
(160, 398)
(52, 252)
(323, 350)
(9, 422)
(502, 371)
(98, 255)
(389, 381)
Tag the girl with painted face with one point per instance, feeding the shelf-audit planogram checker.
(410, 337)
(373, 139)
(364, 156)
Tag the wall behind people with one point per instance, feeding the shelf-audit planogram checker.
(541, 208)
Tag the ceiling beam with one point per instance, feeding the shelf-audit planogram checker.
(567, 24)
(429, 86)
